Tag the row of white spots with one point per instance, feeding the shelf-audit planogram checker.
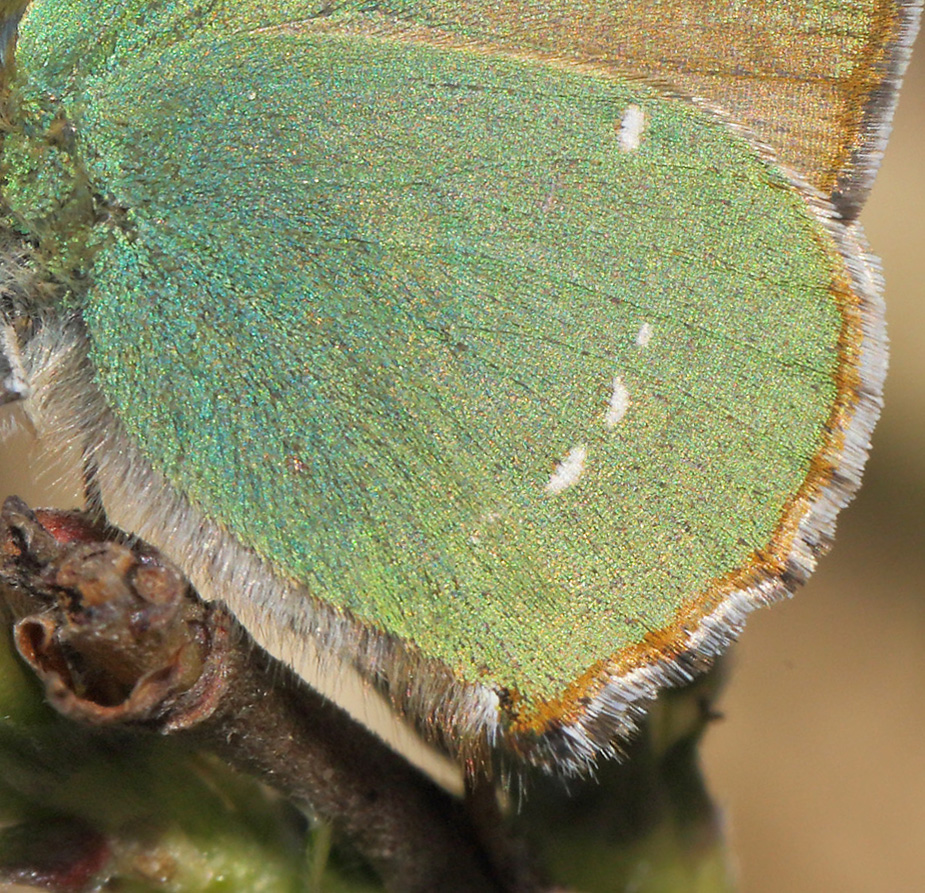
(632, 126)
(569, 471)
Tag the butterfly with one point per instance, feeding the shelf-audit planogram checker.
(511, 353)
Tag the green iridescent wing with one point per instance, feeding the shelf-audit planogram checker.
(428, 336)
(813, 80)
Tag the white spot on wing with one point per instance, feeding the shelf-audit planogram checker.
(550, 201)
(619, 403)
(644, 336)
(568, 471)
(632, 126)
(486, 519)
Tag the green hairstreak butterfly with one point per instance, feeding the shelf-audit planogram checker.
(511, 352)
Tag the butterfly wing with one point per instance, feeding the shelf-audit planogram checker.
(814, 81)
(513, 381)
(817, 82)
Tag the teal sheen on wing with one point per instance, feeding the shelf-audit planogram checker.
(391, 296)
(509, 379)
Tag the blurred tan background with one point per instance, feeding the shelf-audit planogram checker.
(820, 760)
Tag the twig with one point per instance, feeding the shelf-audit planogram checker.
(127, 643)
